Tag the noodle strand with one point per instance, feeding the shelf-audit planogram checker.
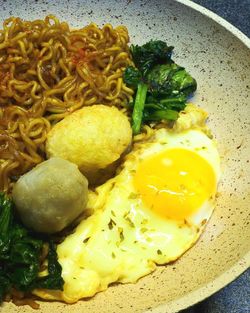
(47, 71)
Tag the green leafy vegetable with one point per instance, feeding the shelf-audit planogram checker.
(152, 53)
(170, 115)
(162, 87)
(138, 107)
(20, 253)
(5, 284)
(177, 103)
(54, 279)
(132, 76)
(170, 80)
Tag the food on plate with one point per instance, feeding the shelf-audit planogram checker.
(22, 255)
(47, 71)
(76, 103)
(162, 86)
(50, 196)
(93, 138)
(191, 117)
(150, 213)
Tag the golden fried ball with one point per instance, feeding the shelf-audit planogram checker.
(51, 195)
(93, 137)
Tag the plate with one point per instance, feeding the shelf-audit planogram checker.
(218, 56)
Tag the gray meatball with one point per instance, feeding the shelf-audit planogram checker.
(51, 195)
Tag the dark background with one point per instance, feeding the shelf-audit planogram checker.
(235, 298)
(237, 12)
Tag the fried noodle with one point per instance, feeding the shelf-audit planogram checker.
(47, 71)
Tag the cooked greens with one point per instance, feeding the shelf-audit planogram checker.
(150, 54)
(170, 80)
(20, 255)
(139, 107)
(162, 87)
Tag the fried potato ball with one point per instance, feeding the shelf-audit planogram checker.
(93, 137)
(51, 195)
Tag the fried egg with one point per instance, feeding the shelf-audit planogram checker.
(150, 213)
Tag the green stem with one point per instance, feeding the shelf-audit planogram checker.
(173, 100)
(169, 115)
(139, 107)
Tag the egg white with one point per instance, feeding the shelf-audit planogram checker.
(123, 240)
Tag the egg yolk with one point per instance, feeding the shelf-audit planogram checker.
(175, 182)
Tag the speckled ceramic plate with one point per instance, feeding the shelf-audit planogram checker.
(218, 55)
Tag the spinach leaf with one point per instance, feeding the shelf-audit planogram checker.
(53, 280)
(160, 84)
(20, 253)
(152, 53)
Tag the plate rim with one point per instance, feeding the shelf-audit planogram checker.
(218, 19)
(241, 265)
(223, 279)
(205, 291)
